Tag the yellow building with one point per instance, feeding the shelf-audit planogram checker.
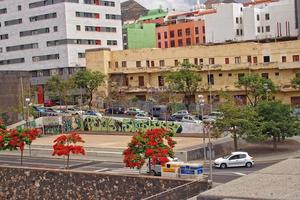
(139, 72)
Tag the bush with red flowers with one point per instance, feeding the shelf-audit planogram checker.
(66, 145)
(155, 144)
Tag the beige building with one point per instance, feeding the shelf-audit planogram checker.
(140, 72)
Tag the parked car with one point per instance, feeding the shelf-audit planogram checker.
(181, 112)
(93, 113)
(235, 159)
(75, 111)
(49, 103)
(191, 119)
(143, 115)
(160, 111)
(176, 118)
(115, 110)
(213, 116)
(133, 111)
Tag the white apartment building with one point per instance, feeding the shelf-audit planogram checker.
(50, 37)
(239, 22)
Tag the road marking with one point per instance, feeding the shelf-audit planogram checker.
(238, 173)
(101, 170)
(24, 162)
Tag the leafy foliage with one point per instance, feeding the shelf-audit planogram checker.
(90, 81)
(256, 87)
(296, 81)
(185, 80)
(149, 144)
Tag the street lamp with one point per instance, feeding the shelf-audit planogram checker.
(201, 104)
(27, 100)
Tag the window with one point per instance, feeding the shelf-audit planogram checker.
(242, 156)
(258, 29)
(180, 43)
(211, 61)
(22, 47)
(3, 11)
(196, 61)
(161, 81)
(42, 17)
(148, 63)
(55, 28)
(159, 45)
(138, 64)
(266, 59)
(295, 58)
(220, 75)
(241, 20)
(4, 37)
(188, 31)
(186, 61)
(237, 20)
(116, 64)
(262, 29)
(267, 16)
(203, 29)
(237, 31)
(188, 42)
(176, 63)
(165, 35)
(230, 74)
(78, 28)
(179, 33)
(265, 75)
(276, 73)
(46, 72)
(197, 40)
(112, 16)
(158, 36)
(111, 42)
(166, 44)
(172, 43)
(283, 59)
(152, 63)
(109, 64)
(45, 57)
(87, 15)
(268, 29)
(255, 60)
(124, 64)
(141, 81)
(234, 157)
(201, 61)
(34, 32)
(13, 22)
(257, 17)
(197, 30)
(227, 61)
(241, 32)
(210, 79)
(19, 7)
(237, 60)
(240, 75)
(161, 63)
(249, 59)
(172, 34)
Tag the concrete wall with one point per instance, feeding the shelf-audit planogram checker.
(25, 183)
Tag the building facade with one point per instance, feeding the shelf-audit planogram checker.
(255, 20)
(140, 73)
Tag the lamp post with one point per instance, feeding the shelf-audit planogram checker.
(27, 100)
(201, 104)
(210, 150)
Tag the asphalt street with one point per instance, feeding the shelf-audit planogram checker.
(219, 175)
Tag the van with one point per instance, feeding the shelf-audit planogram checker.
(160, 111)
(156, 169)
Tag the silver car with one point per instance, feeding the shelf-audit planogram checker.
(235, 159)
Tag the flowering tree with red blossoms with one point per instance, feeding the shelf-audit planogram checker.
(156, 144)
(16, 139)
(66, 144)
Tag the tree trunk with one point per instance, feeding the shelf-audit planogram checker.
(274, 143)
(68, 160)
(235, 141)
(91, 99)
(149, 165)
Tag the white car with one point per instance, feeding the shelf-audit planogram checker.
(142, 115)
(181, 112)
(235, 159)
(191, 119)
(212, 117)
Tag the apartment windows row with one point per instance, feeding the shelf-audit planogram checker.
(180, 42)
(22, 47)
(88, 15)
(4, 37)
(188, 32)
(49, 2)
(3, 11)
(295, 58)
(112, 42)
(34, 32)
(267, 17)
(112, 16)
(12, 61)
(45, 57)
(97, 29)
(13, 22)
(239, 32)
(73, 41)
(262, 29)
(99, 2)
(239, 20)
(50, 72)
(42, 17)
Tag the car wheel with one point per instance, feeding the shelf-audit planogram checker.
(248, 164)
(153, 172)
(223, 166)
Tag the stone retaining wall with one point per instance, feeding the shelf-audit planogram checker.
(26, 183)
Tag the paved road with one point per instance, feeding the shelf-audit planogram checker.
(219, 175)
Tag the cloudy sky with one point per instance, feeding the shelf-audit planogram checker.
(171, 4)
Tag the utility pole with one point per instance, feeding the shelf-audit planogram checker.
(201, 104)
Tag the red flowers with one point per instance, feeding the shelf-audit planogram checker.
(63, 145)
(156, 144)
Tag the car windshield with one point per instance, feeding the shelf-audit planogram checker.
(225, 157)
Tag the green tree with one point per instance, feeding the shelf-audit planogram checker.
(276, 121)
(256, 88)
(240, 121)
(296, 81)
(60, 87)
(90, 81)
(185, 80)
